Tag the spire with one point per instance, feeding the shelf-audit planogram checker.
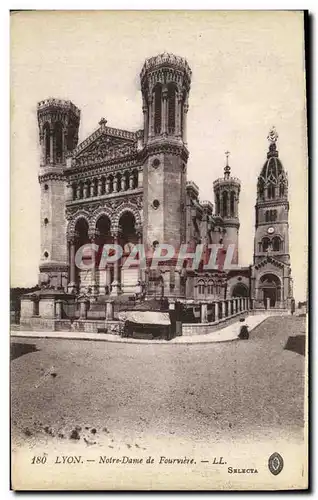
(272, 138)
(227, 168)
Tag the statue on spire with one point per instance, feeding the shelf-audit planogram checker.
(227, 168)
(272, 135)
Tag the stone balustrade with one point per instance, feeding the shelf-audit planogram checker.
(217, 314)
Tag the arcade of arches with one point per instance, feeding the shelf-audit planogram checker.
(111, 278)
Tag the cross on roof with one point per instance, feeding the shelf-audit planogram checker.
(227, 154)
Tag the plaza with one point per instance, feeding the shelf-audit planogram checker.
(117, 395)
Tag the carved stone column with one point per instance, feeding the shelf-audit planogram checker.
(131, 181)
(69, 196)
(164, 110)
(140, 178)
(115, 291)
(85, 191)
(151, 115)
(185, 111)
(107, 186)
(72, 285)
(204, 312)
(100, 187)
(93, 269)
(178, 98)
(216, 316)
(108, 277)
(139, 241)
(51, 144)
(42, 142)
(115, 184)
(146, 121)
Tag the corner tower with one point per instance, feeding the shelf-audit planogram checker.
(165, 85)
(226, 195)
(271, 272)
(58, 122)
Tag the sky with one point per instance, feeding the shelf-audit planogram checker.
(248, 75)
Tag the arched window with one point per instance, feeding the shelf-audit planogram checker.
(267, 216)
(126, 174)
(265, 244)
(95, 187)
(261, 189)
(271, 191)
(74, 190)
(46, 131)
(157, 118)
(217, 199)
(240, 290)
(135, 177)
(89, 192)
(111, 183)
(81, 190)
(210, 288)
(103, 185)
(232, 203)
(70, 141)
(276, 244)
(224, 204)
(171, 109)
(201, 288)
(58, 136)
(281, 189)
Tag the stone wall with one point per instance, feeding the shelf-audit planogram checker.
(189, 329)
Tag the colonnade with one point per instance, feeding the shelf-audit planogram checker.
(112, 272)
(114, 183)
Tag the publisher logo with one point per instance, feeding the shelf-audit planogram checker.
(275, 463)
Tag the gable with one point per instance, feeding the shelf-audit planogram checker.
(269, 261)
(105, 143)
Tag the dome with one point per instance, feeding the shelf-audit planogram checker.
(272, 168)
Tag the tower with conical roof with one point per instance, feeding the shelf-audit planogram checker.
(226, 195)
(271, 273)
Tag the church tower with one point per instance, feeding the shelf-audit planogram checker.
(165, 85)
(271, 272)
(58, 122)
(226, 195)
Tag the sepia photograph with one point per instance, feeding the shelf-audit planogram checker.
(159, 250)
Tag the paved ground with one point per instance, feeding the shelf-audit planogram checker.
(114, 393)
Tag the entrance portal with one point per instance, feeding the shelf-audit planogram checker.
(271, 288)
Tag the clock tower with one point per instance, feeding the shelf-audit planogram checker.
(271, 271)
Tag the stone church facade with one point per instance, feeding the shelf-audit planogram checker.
(131, 187)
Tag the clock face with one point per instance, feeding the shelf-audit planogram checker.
(270, 230)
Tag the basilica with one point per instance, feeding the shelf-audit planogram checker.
(131, 187)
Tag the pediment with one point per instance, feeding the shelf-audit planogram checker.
(105, 143)
(269, 260)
